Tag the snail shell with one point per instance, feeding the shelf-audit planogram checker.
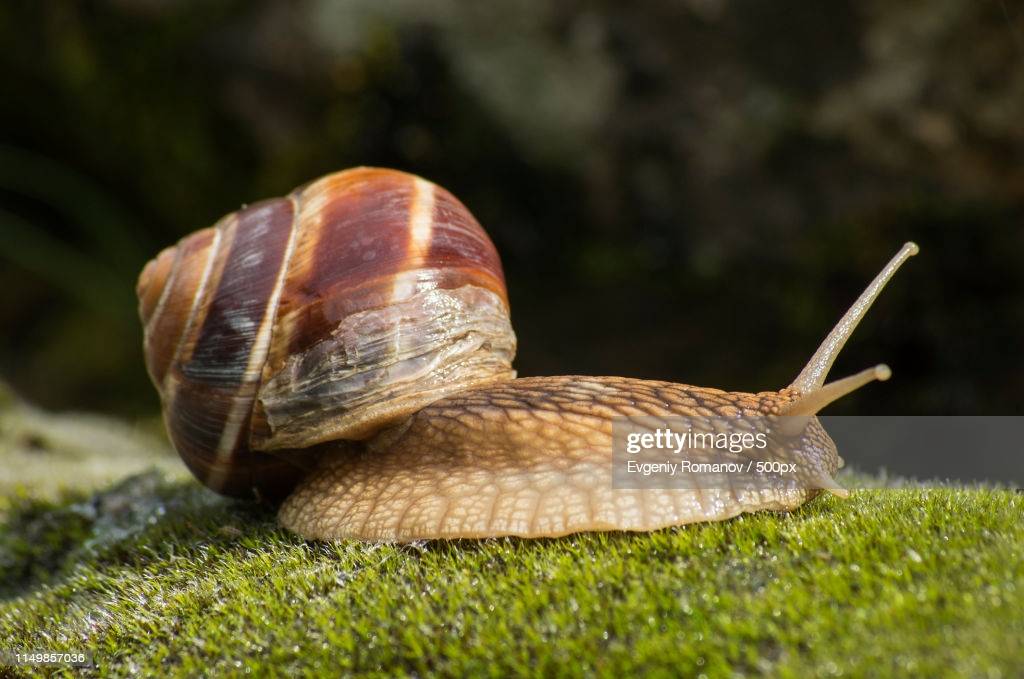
(321, 316)
(350, 345)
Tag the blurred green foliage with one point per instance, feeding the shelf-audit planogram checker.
(687, 190)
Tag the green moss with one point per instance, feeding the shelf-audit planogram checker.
(164, 577)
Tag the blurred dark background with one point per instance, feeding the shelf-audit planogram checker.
(691, 190)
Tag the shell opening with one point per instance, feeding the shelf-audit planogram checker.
(384, 364)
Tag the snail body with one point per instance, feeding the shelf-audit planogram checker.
(348, 347)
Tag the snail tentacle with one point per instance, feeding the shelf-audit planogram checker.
(813, 375)
(813, 401)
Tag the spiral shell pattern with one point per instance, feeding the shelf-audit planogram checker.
(323, 315)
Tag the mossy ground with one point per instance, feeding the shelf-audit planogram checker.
(162, 577)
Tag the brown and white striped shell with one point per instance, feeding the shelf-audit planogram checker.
(321, 316)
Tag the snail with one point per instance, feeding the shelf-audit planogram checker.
(348, 348)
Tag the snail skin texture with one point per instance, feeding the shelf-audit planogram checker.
(348, 348)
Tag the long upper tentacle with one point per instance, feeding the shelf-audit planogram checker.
(812, 377)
